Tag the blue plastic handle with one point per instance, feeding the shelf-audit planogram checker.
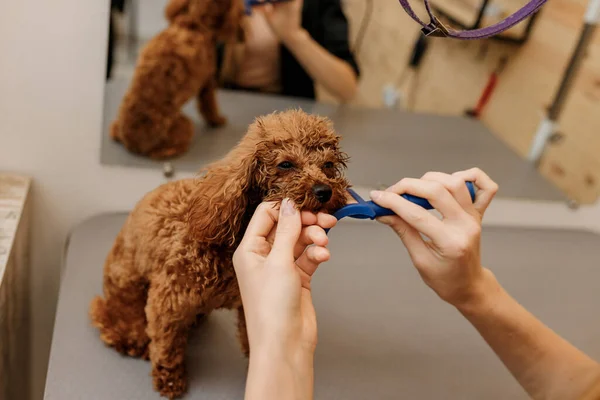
(369, 210)
(381, 212)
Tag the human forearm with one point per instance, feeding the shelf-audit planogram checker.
(546, 365)
(336, 75)
(280, 374)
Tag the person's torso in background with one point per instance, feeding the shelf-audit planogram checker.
(257, 62)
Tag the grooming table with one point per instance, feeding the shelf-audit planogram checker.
(384, 144)
(382, 333)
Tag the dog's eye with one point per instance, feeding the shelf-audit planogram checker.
(328, 165)
(285, 165)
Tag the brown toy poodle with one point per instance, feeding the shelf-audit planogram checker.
(171, 262)
(177, 64)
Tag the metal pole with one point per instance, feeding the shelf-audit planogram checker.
(548, 125)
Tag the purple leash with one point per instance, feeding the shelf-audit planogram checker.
(436, 28)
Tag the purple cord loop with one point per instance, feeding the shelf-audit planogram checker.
(436, 28)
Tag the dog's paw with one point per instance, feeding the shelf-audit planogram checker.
(217, 121)
(165, 154)
(137, 348)
(170, 382)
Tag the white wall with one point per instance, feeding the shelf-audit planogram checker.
(150, 18)
(52, 64)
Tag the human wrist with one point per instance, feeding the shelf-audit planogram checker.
(294, 38)
(294, 353)
(280, 372)
(482, 296)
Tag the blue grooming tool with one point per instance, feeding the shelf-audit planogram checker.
(248, 4)
(369, 210)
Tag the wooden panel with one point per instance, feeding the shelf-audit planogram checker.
(572, 172)
(453, 74)
(14, 305)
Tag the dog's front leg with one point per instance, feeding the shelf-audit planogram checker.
(170, 313)
(242, 332)
(208, 106)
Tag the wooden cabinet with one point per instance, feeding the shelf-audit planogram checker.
(14, 287)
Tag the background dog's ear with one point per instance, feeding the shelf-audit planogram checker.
(222, 198)
(174, 8)
(231, 29)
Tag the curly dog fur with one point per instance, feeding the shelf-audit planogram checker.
(177, 64)
(171, 261)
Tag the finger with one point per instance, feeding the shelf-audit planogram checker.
(263, 220)
(267, 9)
(456, 186)
(308, 218)
(310, 260)
(414, 215)
(411, 238)
(486, 187)
(322, 219)
(287, 232)
(326, 221)
(310, 235)
(260, 7)
(437, 195)
(286, 4)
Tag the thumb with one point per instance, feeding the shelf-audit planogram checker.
(288, 230)
(267, 10)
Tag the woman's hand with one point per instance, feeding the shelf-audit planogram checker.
(333, 73)
(284, 18)
(274, 266)
(449, 259)
(546, 365)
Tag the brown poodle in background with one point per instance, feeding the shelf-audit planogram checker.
(171, 262)
(177, 64)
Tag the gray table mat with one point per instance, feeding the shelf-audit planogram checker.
(384, 145)
(382, 333)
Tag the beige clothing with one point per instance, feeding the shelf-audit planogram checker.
(257, 61)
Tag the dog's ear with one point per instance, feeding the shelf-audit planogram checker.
(231, 29)
(175, 8)
(220, 202)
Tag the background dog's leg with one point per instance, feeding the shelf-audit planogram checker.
(114, 131)
(242, 332)
(142, 132)
(170, 315)
(207, 105)
(120, 315)
(177, 141)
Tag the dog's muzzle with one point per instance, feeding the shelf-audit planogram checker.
(323, 193)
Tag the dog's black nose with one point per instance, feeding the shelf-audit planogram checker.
(322, 193)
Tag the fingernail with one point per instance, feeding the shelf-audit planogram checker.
(288, 208)
(376, 194)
